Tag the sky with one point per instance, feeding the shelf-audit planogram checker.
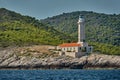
(41, 9)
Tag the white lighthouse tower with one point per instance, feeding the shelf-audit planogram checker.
(81, 30)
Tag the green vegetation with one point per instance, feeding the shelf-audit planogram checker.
(18, 30)
(102, 30)
(105, 48)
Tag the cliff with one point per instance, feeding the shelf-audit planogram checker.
(41, 58)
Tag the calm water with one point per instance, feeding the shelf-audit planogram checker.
(59, 74)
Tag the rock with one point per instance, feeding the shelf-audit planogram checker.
(100, 60)
(10, 60)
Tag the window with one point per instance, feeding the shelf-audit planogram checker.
(80, 48)
(90, 48)
(74, 48)
(84, 49)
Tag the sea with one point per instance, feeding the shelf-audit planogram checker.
(69, 74)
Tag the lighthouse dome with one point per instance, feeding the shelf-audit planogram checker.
(81, 19)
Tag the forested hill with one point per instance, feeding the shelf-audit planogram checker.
(18, 30)
(103, 28)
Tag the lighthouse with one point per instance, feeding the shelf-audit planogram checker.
(81, 47)
(81, 30)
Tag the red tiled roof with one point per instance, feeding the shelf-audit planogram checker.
(69, 45)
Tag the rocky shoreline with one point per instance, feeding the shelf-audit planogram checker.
(9, 59)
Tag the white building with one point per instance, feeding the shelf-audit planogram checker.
(76, 49)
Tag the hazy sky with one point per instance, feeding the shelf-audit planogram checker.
(46, 8)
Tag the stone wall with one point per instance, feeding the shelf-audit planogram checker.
(72, 54)
(80, 54)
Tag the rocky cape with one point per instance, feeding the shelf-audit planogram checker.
(32, 58)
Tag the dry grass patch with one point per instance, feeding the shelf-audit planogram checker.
(39, 51)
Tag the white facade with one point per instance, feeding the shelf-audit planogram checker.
(70, 49)
(76, 51)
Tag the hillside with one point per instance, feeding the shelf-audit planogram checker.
(103, 28)
(19, 30)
